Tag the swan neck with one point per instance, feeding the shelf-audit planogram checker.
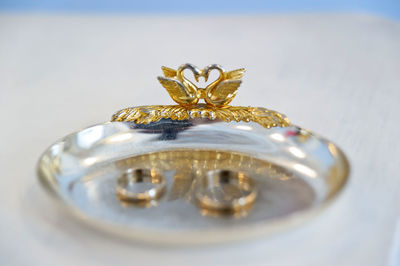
(186, 82)
(218, 80)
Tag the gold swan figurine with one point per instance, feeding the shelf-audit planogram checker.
(218, 93)
(223, 90)
(181, 90)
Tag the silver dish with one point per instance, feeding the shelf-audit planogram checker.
(296, 174)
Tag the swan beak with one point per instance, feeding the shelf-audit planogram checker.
(196, 77)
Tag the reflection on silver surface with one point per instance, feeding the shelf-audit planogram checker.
(295, 172)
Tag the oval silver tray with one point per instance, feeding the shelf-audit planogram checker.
(296, 174)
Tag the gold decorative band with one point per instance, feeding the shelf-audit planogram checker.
(146, 114)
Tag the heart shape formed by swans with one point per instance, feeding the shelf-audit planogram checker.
(200, 78)
(217, 93)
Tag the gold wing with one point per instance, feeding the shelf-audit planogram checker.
(178, 92)
(224, 93)
(168, 72)
(235, 74)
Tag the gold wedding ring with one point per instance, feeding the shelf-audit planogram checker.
(226, 191)
(139, 185)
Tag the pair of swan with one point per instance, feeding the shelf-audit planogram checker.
(218, 93)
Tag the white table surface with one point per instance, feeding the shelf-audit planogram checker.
(337, 75)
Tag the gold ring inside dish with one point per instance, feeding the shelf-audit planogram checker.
(140, 184)
(226, 190)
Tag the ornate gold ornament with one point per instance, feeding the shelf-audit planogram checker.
(217, 95)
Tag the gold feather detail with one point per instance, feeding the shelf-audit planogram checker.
(169, 72)
(178, 92)
(224, 92)
(147, 114)
(235, 74)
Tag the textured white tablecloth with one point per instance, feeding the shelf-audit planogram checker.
(337, 75)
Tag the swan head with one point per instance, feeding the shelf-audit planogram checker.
(207, 70)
